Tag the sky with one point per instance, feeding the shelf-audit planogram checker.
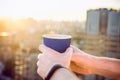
(53, 9)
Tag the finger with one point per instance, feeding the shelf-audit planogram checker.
(38, 57)
(72, 46)
(76, 50)
(37, 63)
(48, 50)
(41, 48)
(69, 51)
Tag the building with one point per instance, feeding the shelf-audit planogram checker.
(102, 35)
(113, 33)
(25, 65)
(96, 31)
(8, 47)
(20, 65)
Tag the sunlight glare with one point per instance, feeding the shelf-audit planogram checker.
(4, 34)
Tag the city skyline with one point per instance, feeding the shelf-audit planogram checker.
(53, 9)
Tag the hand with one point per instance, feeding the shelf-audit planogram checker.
(51, 57)
(81, 62)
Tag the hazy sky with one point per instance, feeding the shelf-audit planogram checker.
(53, 9)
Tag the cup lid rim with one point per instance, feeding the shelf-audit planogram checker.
(56, 36)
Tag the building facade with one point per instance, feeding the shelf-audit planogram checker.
(102, 35)
(113, 33)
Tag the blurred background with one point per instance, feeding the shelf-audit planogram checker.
(94, 26)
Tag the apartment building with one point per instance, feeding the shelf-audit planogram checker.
(102, 35)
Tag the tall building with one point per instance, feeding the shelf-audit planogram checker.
(96, 31)
(103, 34)
(113, 34)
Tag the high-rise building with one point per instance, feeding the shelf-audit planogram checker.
(113, 34)
(96, 31)
(103, 34)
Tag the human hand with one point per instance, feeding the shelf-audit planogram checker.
(51, 57)
(81, 62)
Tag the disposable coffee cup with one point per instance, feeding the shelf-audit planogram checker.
(57, 42)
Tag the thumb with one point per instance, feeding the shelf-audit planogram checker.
(41, 48)
(68, 55)
(47, 50)
(69, 52)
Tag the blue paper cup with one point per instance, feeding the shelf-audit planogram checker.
(57, 42)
